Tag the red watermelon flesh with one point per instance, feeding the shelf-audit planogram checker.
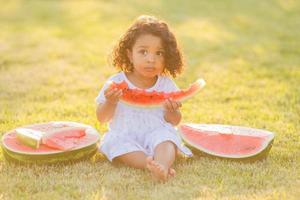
(64, 139)
(142, 98)
(226, 141)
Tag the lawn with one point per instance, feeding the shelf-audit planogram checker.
(53, 61)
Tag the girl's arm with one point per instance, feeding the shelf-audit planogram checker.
(106, 110)
(172, 113)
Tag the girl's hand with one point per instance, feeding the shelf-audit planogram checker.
(112, 95)
(171, 105)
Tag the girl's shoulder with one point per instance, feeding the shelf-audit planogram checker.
(116, 77)
(165, 79)
(167, 84)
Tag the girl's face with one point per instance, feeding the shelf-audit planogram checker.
(147, 56)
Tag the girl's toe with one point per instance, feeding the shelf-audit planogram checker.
(172, 172)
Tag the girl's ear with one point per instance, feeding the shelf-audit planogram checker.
(129, 55)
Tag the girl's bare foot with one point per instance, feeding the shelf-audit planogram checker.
(171, 173)
(158, 171)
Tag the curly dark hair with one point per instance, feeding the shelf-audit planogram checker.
(148, 25)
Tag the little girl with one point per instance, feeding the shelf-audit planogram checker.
(147, 54)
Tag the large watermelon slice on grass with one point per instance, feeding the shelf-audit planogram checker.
(142, 98)
(225, 141)
(67, 143)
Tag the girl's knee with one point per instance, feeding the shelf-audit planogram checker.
(166, 144)
(169, 143)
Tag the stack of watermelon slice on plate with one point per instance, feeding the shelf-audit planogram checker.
(51, 142)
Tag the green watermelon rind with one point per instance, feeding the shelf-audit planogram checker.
(51, 159)
(255, 156)
(67, 156)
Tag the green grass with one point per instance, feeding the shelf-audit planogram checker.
(53, 63)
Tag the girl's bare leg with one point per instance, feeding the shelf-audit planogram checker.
(136, 159)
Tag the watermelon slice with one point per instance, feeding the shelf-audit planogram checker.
(63, 139)
(65, 142)
(224, 141)
(142, 98)
(29, 137)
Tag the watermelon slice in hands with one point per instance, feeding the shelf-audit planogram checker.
(142, 98)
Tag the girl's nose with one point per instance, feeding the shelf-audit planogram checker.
(151, 58)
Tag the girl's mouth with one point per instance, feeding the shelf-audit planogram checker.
(149, 69)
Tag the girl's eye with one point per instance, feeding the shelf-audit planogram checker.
(160, 53)
(144, 52)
